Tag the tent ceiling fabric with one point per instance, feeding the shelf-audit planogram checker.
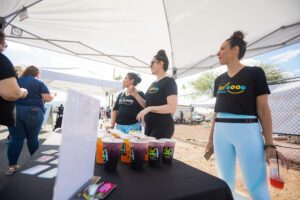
(129, 33)
(86, 85)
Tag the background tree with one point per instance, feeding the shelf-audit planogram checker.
(204, 84)
(273, 73)
(118, 78)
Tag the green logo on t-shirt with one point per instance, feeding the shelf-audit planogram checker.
(153, 90)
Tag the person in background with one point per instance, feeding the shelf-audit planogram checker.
(102, 114)
(59, 117)
(242, 118)
(108, 112)
(9, 88)
(160, 100)
(127, 107)
(181, 117)
(30, 116)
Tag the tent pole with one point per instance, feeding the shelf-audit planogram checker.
(16, 13)
(169, 32)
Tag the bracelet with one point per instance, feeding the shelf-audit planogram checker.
(269, 146)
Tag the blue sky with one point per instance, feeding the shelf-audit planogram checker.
(286, 59)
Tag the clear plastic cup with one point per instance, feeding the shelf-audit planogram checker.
(277, 173)
(155, 149)
(111, 153)
(138, 151)
(125, 150)
(115, 132)
(148, 139)
(136, 134)
(168, 151)
(99, 147)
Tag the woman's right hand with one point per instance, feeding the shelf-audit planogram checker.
(109, 127)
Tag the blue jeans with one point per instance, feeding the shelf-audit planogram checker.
(131, 127)
(28, 125)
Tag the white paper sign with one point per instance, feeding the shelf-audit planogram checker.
(49, 174)
(49, 152)
(36, 169)
(78, 145)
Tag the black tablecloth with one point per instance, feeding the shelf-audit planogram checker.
(178, 181)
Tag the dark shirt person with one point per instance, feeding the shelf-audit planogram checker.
(9, 88)
(160, 100)
(30, 116)
(127, 107)
(242, 122)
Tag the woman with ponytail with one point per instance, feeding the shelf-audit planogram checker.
(127, 107)
(242, 122)
(160, 100)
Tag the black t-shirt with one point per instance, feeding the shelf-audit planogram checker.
(238, 94)
(156, 95)
(6, 107)
(128, 108)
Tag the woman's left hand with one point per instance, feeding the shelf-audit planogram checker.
(271, 153)
(142, 114)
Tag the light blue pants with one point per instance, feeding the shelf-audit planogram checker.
(245, 142)
(131, 127)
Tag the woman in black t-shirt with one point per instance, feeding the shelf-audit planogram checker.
(242, 102)
(127, 107)
(9, 88)
(160, 100)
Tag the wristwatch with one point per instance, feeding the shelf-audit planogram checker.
(269, 146)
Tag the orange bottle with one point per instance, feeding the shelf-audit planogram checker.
(146, 155)
(99, 151)
(125, 151)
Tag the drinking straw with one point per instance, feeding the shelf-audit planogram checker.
(277, 164)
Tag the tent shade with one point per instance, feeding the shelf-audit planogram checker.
(85, 85)
(128, 33)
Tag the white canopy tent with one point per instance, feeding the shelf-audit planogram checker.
(90, 86)
(128, 33)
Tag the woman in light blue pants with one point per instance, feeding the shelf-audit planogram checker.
(242, 123)
(244, 142)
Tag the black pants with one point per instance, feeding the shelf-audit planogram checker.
(163, 128)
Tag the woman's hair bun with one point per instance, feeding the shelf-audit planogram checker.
(138, 80)
(238, 35)
(161, 53)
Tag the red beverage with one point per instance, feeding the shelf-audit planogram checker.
(138, 150)
(155, 149)
(277, 173)
(168, 151)
(111, 153)
(279, 184)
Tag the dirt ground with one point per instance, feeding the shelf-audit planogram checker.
(190, 148)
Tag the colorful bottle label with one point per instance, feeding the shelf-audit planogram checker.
(123, 150)
(153, 153)
(105, 155)
(132, 154)
(168, 152)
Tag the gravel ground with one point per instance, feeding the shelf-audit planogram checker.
(190, 148)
